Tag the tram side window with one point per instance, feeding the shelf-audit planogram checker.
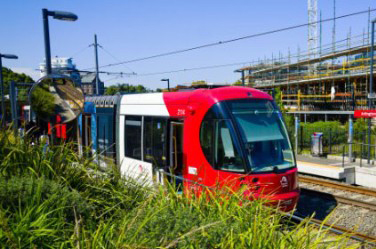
(148, 139)
(133, 137)
(218, 146)
(226, 156)
(155, 140)
(206, 138)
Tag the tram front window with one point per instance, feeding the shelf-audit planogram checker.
(266, 142)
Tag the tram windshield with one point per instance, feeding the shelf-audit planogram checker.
(262, 129)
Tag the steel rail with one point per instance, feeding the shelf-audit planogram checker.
(364, 238)
(337, 185)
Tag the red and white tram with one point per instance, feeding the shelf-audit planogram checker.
(225, 136)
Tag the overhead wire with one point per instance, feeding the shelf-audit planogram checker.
(79, 52)
(302, 54)
(236, 39)
(115, 58)
(114, 78)
(193, 69)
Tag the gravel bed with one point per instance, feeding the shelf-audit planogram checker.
(354, 218)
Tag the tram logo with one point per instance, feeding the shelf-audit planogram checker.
(284, 182)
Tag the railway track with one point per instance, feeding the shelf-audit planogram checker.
(337, 185)
(360, 237)
(365, 238)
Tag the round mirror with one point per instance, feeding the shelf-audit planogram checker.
(56, 95)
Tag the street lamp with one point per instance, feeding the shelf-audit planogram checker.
(371, 94)
(60, 15)
(3, 112)
(242, 72)
(168, 83)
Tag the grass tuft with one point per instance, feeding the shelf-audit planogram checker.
(55, 199)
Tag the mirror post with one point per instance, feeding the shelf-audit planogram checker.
(3, 109)
(13, 105)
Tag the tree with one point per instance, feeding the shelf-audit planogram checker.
(289, 118)
(9, 76)
(199, 82)
(43, 101)
(237, 83)
(125, 88)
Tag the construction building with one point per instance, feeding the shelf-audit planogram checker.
(330, 85)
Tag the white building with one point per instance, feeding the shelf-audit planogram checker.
(61, 65)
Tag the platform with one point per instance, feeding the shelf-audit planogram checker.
(328, 168)
(365, 176)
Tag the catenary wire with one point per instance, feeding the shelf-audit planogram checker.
(237, 39)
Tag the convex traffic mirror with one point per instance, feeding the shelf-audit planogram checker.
(56, 95)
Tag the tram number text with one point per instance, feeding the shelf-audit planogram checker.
(181, 112)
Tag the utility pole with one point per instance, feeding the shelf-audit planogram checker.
(334, 27)
(96, 65)
(370, 94)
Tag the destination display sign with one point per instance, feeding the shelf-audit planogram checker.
(365, 114)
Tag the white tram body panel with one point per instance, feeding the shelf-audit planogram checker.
(140, 105)
(148, 104)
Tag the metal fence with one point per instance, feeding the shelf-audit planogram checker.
(359, 153)
(332, 140)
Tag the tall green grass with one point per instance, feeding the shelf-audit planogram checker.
(59, 200)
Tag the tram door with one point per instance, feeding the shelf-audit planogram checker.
(176, 148)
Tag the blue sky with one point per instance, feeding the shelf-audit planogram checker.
(138, 28)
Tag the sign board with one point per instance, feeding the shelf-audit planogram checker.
(365, 114)
(372, 95)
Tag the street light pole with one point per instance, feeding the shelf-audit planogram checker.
(242, 73)
(47, 47)
(371, 88)
(168, 83)
(60, 15)
(3, 111)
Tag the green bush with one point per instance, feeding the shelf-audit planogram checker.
(333, 132)
(46, 201)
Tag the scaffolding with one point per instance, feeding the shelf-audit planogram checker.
(338, 83)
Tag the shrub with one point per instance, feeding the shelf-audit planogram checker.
(46, 201)
(333, 132)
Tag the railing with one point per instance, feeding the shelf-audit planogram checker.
(359, 151)
(332, 139)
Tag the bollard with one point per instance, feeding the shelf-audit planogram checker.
(296, 134)
(351, 138)
(330, 140)
(343, 156)
(361, 152)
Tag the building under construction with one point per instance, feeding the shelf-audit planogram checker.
(327, 86)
